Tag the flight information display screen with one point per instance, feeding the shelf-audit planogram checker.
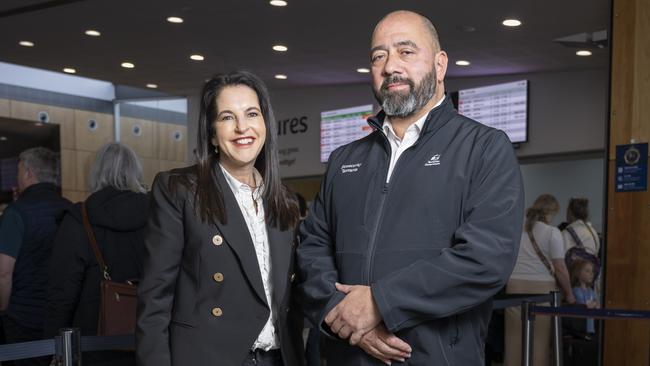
(342, 126)
(502, 106)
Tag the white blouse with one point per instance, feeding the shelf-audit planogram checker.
(252, 208)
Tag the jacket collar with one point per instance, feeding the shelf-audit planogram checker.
(436, 118)
(39, 187)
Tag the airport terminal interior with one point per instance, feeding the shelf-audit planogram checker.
(567, 81)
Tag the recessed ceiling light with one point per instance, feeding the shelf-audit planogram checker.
(197, 57)
(175, 20)
(363, 70)
(152, 86)
(280, 48)
(278, 3)
(128, 65)
(281, 76)
(93, 33)
(462, 63)
(583, 53)
(26, 43)
(69, 70)
(511, 23)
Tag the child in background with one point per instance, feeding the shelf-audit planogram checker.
(582, 281)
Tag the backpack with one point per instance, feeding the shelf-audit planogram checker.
(579, 252)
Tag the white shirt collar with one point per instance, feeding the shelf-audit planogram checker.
(236, 185)
(417, 126)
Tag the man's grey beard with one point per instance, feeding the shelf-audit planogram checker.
(401, 105)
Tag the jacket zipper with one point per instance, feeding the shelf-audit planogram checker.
(382, 198)
(375, 229)
(385, 190)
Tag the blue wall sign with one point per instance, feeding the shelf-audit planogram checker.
(631, 168)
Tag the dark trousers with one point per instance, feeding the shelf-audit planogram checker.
(262, 358)
(312, 349)
(16, 333)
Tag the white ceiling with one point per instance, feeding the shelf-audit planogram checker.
(327, 40)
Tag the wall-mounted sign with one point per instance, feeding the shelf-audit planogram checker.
(631, 168)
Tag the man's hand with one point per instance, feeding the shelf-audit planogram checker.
(385, 346)
(355, 315)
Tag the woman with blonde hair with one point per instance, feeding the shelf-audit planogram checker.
(540, 269)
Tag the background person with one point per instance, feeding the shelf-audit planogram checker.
(27, 228)
(117, 211)
(540, 269)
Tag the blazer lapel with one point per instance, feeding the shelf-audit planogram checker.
(237, 236)
(280, 248)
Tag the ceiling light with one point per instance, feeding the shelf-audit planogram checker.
(197, 57)
(462, 63)
(26, 43)
(152, 86)
(363, 70)
(278, 3)
(511, 23)
(280, 48)
(583, 53)
(281, 76)
(128, 65)
(175, 20)
(93, 33)
(69, 70)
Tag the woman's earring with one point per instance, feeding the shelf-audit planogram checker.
(216, 150)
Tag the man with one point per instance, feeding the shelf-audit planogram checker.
(417, 225)
(27, 228)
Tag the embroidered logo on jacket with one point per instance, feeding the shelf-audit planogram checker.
(350, 168)
(435, 160)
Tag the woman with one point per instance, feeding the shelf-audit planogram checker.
(540, 269)
(219, 246)
(117, 211)
(577, 215)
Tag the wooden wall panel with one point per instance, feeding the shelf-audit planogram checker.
(628, 213)
(61, 116)
(5, 108)
(138, 134)
(150, 167)
(166, 165)
(68, 169)
(85, 159)
(75, 196)
(91, 136)
(172, 142)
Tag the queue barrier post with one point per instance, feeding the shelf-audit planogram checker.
(528, 325)
(70, 347)
(557, 331)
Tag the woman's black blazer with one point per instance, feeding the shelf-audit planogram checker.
(201, 298)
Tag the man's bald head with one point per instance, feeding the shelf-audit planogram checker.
(410, 16)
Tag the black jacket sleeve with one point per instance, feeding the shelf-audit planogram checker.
(483, 252)
(163, 252)
(67, 270)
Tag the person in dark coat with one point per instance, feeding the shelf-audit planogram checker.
(117, 211)
(27, 227)
(219, 246)
(416, 225)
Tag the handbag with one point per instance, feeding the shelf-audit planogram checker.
(118, 300)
